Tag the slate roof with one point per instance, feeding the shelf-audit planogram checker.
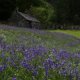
(27, 17)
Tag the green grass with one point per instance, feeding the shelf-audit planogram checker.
(52, 39)
(75, 33)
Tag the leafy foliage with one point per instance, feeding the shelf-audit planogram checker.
(6, 8)
(47, 11)
(67, 11)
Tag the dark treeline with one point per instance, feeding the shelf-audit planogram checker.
(6, 8)
(47, 11)
(67, 11)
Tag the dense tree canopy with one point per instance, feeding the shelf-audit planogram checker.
(67, 11)
(26, 4)
(47, 11)
(6, 8)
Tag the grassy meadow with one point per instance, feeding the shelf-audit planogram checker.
(75, 33)
(30, 54)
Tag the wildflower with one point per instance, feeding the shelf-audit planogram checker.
(1, 68)
(14, 78)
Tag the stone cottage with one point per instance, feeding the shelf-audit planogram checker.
(24, 20)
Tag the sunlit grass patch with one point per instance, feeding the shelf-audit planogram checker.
(75, 33)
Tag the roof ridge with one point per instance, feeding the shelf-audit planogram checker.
(27, 17)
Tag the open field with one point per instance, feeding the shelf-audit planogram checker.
(56, 39)
(75, 33)
(27, 54)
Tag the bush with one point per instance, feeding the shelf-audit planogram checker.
(44, 14)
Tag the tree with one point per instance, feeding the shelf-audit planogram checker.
(67, 11)
(26, 4)
(6, 8)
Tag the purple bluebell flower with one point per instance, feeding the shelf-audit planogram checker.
(26, 65)
(63, 71)
(1, 68)
(2, 54)
(35, 71)
(14, 78)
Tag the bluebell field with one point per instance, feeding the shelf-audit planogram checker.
(38, 62)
